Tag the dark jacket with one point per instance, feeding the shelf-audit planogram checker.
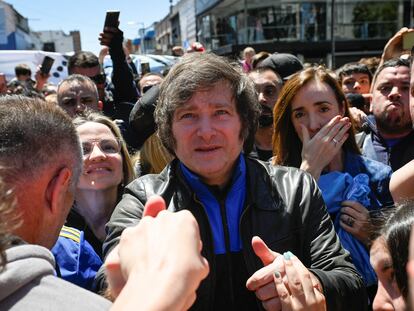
(283, 206)
(374, 147)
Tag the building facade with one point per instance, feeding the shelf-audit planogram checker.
(188, 27)
(58, 41)
(14, 30)
(361, 28)
(163, 35)
(178, 27)
(15, 34)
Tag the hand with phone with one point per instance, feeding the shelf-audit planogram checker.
(111, 36)
(397, 45)
(43, 72)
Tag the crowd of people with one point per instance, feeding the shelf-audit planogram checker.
(261, 183)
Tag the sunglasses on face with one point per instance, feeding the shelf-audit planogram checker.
(107, 146)
(100, 78)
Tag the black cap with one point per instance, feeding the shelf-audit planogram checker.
(283, 64)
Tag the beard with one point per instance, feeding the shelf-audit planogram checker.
(266, 117)
(389, 123)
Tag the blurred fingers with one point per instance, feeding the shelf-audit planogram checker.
(154, 205)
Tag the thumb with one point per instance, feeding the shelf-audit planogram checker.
(266, 255)
(154, 205)
(305, 134)
(113, 273)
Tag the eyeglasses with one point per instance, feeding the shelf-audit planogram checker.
(100, 78)
(107, 146)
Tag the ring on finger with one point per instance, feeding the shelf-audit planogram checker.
(334, 141)
(350, 221)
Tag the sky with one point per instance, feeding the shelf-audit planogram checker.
(88, 16)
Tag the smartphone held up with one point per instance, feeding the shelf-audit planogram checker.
(46, 65)
(111, 19)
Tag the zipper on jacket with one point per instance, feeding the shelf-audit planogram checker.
(212, 262)
(228, 252)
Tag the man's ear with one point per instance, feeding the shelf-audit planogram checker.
(57, 189)
(100, 105)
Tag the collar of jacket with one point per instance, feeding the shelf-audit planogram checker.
(261, 190)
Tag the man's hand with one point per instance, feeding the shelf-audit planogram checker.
(300, 291)
(271, 290)
(358, 116)
(262, 282)
(393, 48)
(355, 219)
(318, 151)
(160, 259)
(41, 78)
(111, 36)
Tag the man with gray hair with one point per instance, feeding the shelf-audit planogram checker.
(41, 161)
(77, 93)
(207, 115)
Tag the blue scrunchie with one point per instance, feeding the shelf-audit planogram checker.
(337, 187)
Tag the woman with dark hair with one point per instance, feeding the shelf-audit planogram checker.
(389, 258)
(313, 131)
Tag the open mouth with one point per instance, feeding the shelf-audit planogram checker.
(92, 170)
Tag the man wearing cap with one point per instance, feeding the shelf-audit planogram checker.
(284, 64)
(268, 85)
(268, 79)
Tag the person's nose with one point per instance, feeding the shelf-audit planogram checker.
(262, 98)
(80, 107)
(314, 123)
(96, 153)
(357, 86)
(205, 128)
(395, 93)
(381, 303)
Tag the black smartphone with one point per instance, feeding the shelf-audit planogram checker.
(47, 64)
(111, 19)
(145, 68)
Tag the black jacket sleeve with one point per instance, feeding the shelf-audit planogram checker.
(122, 76)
